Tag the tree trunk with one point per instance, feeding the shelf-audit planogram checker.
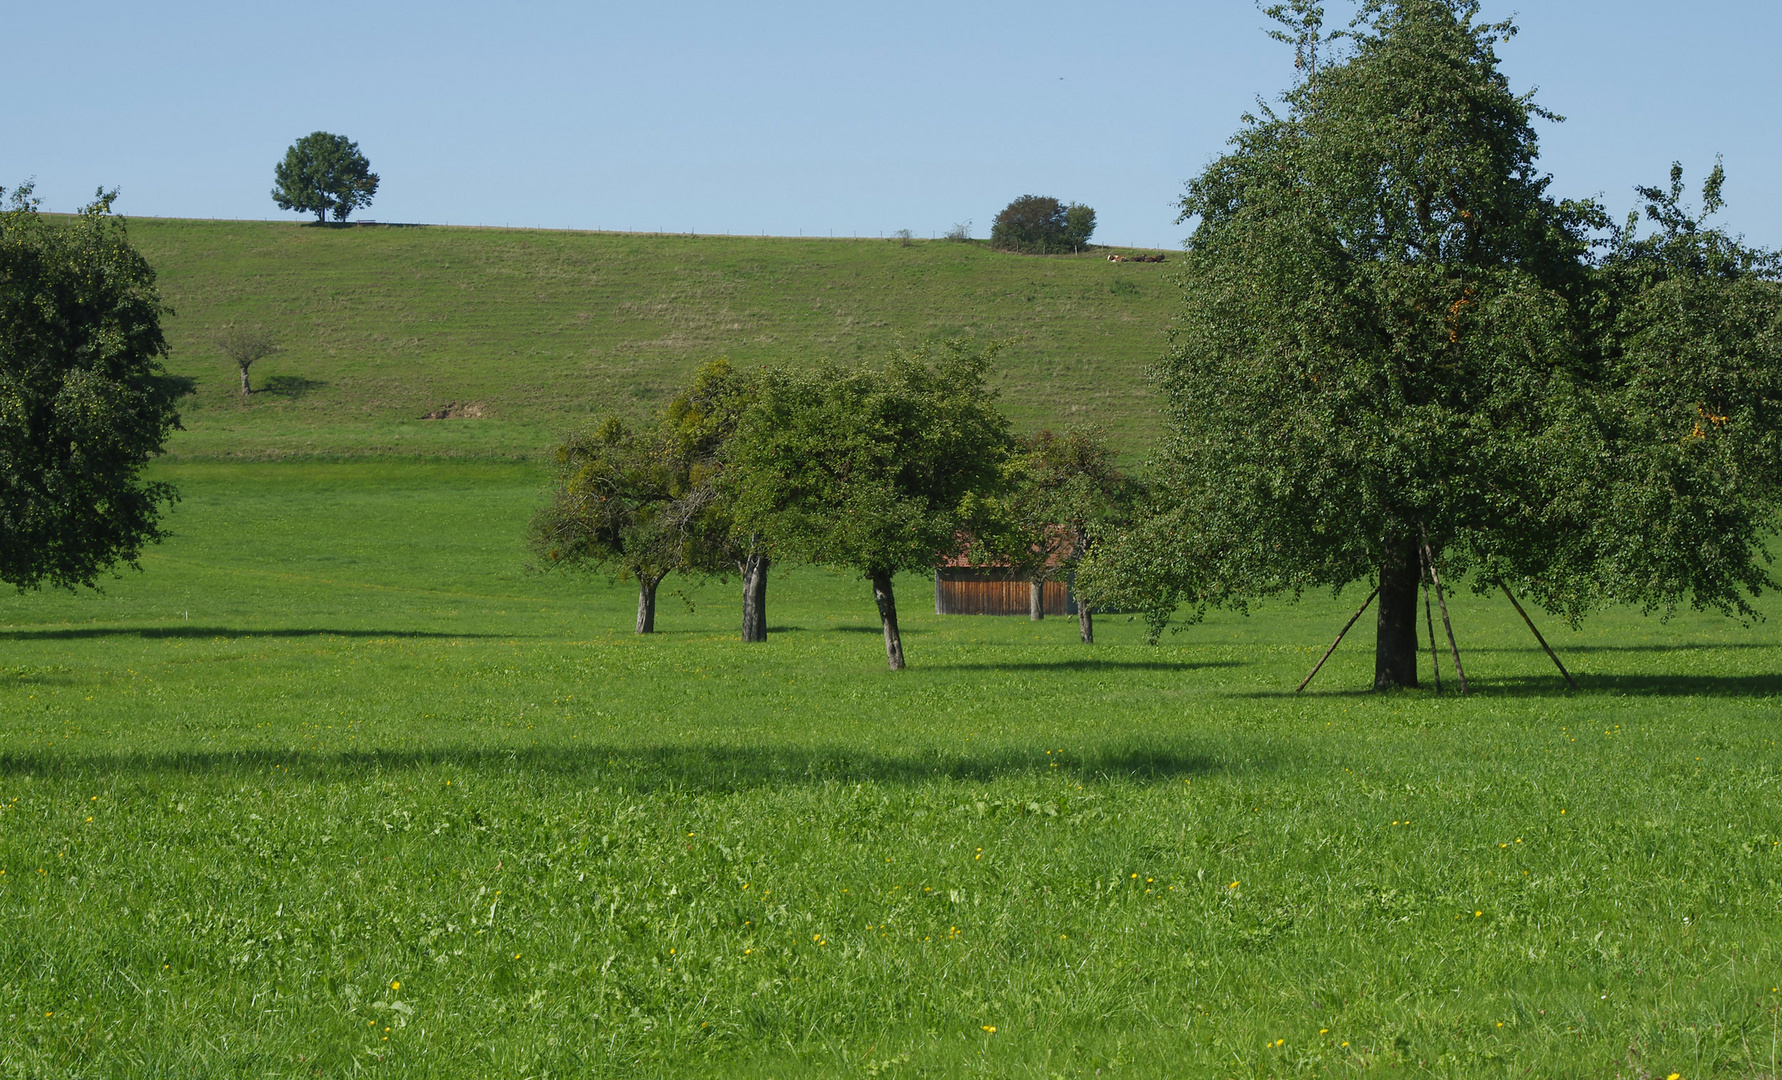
(646, 602)
(881, 592)
(1036, 600)
(1086, 623)
(1395, 641)
(754, 575)
(245, 390)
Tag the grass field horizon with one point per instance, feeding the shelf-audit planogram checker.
(338, 786)
(546, 329)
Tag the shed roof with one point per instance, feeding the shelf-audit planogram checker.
(1063, 548)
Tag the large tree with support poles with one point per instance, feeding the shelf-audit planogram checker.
(1399, 357)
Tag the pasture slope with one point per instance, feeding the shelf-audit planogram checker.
(338, 786)
(384, 324)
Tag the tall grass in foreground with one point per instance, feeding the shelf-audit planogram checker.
(337, 787)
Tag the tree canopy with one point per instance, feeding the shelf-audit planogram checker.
(84, 399)
(1396, 347)
(875, 470)
(1041, 225)
(696, 428)
(323, 174)
(645, 503)
(612, 509)
(244, 344)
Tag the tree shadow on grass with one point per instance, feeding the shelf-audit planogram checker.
(1715, 686)
(290, 387)
(1553, 686)
(1685, 646)
(1090, 663)
(700, 768)
(207, 632)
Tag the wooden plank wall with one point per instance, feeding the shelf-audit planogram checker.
(978, 596)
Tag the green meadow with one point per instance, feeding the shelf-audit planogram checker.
(338, 786)
(384, 324)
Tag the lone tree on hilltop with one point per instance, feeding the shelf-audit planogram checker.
(1041, 225)
(611, 510)
(1396, 350)
(243, 345)
(323, 174)
(84, 399)
(872, 470)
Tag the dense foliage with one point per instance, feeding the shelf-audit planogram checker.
(648, 503)
(1041, 225)
(1687, 482)
(612, 510)
(874, 470)
(323, 174)
(84, 400)
(696, 428)
(1396, 345)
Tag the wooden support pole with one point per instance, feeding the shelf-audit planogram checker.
(1339, 638)
(1531, 629)
(1435, 654)
(1459, 672)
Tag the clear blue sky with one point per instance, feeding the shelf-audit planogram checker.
(783, 117)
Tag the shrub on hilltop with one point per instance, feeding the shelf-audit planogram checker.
(1041, 225)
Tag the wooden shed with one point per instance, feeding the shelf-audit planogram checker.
(963, 589)
(994, 590)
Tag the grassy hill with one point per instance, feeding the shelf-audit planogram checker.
(541, 329)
